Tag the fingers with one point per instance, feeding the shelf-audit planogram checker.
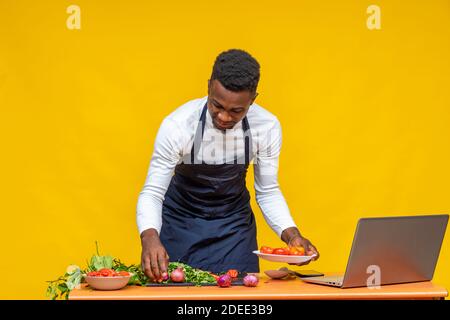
(155, 267)
(313, 251)
(154, 256)
(295, 242)
(310, 250)
(163, 261)
(146, 267)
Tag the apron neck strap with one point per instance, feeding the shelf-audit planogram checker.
(199, 136)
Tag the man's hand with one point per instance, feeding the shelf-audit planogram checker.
(293, 238)
(154, 258)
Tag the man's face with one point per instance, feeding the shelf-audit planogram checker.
(227, 107)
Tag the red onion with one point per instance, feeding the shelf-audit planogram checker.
(177, 275)
(224, 281)
(250, 280)
(165, 276)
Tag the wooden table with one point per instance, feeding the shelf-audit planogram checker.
(268, 289)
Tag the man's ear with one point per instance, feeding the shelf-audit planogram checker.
(254, 98)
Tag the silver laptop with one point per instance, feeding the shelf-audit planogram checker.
(391, 250)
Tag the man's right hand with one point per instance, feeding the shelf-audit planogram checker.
(154, 258)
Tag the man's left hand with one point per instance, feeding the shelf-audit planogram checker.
(293, 238)
(310, 249)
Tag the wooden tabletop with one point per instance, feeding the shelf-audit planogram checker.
(268, 289)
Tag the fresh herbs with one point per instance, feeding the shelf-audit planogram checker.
(138, 276)
(192, 275)
(61, 287)
(98, 262)
(74, 275)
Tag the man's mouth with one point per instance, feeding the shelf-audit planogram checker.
(223, 126)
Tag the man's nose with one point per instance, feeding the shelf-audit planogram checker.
(224, 117)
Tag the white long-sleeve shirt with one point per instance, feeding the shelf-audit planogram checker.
(173, 145)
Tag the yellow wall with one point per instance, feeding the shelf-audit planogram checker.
(365, 116)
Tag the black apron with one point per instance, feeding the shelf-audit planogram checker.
(207, 221)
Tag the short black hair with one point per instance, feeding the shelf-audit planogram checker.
(236, 70)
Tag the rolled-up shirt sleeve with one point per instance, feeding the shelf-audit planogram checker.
(166, 154)
(268, 194)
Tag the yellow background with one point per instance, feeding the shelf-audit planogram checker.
(365, 117)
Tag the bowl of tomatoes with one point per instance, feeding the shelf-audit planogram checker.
(283, 254)
(107, 279)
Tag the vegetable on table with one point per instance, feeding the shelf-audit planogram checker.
(233, 273)
(177, 275)
(108, 266)
(105, 272)
(191, 275)
(98, 265)
(224, 281)
(250, 280)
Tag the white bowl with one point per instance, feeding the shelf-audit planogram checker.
(107, 283)
(283, 258)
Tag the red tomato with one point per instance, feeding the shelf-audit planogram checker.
(106, 272)
(281, 251)
(93, 274)
(123, 273)
(297, 251)
(265, 249)
(232, 273)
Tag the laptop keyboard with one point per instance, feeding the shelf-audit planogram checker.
(336, 280)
